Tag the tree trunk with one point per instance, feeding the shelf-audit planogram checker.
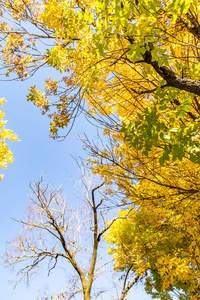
(86, 294)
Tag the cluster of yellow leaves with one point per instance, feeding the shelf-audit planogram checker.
(51, 16)
(18, 50)
(5, 134)
(38, 98)
(51, 86)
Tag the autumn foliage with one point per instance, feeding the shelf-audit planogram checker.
(5, 134)
(136, 65)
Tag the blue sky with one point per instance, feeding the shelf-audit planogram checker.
(35, 154)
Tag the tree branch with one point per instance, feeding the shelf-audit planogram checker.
(172, 79)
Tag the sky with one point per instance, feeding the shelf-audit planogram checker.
(35, 154)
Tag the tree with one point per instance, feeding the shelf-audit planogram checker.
(54, 233)
(121, 57)
(136, 64)
(148, 78)
(5, 134)
(159, 239)
(162, 246)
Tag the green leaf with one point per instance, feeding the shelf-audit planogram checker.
(163, 107)
(106, 3)
(172, 120)
(180, 155)
(193, 158)
(141, 117)
(129, 126)
(181, 114)
(162, 160)
(145, 153)
(100, 48)
(140, 147)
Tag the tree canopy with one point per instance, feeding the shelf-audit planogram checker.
(133, 67)
(119, 56)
